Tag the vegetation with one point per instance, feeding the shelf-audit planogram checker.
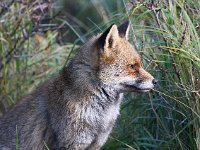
(38, 37)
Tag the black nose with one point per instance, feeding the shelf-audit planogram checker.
(154, 81)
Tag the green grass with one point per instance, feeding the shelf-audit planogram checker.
(166, 34)
(17, 139)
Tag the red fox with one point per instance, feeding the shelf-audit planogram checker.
(77, 109)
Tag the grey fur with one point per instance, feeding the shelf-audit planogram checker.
(76, 109)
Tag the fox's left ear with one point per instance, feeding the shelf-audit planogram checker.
(109, 38)
(123, 29)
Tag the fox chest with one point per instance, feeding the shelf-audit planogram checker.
(110, 115)
(102, 118)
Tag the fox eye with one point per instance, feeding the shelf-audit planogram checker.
(132, 66)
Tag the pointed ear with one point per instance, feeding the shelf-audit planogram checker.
(124, 29)
(109, 38)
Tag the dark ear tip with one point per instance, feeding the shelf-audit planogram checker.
(126, 23)
(123, 28)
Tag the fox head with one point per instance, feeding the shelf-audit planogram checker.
(119, 63)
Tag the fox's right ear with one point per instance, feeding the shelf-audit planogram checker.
(124, 29)
(109, 38)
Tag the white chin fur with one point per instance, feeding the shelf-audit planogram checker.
(145, 85)
(131, 83)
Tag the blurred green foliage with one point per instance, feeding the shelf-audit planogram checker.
(38, 37)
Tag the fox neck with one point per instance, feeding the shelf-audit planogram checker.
(108, 94)
(84, 80)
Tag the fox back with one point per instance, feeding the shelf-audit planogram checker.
(77, 109)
